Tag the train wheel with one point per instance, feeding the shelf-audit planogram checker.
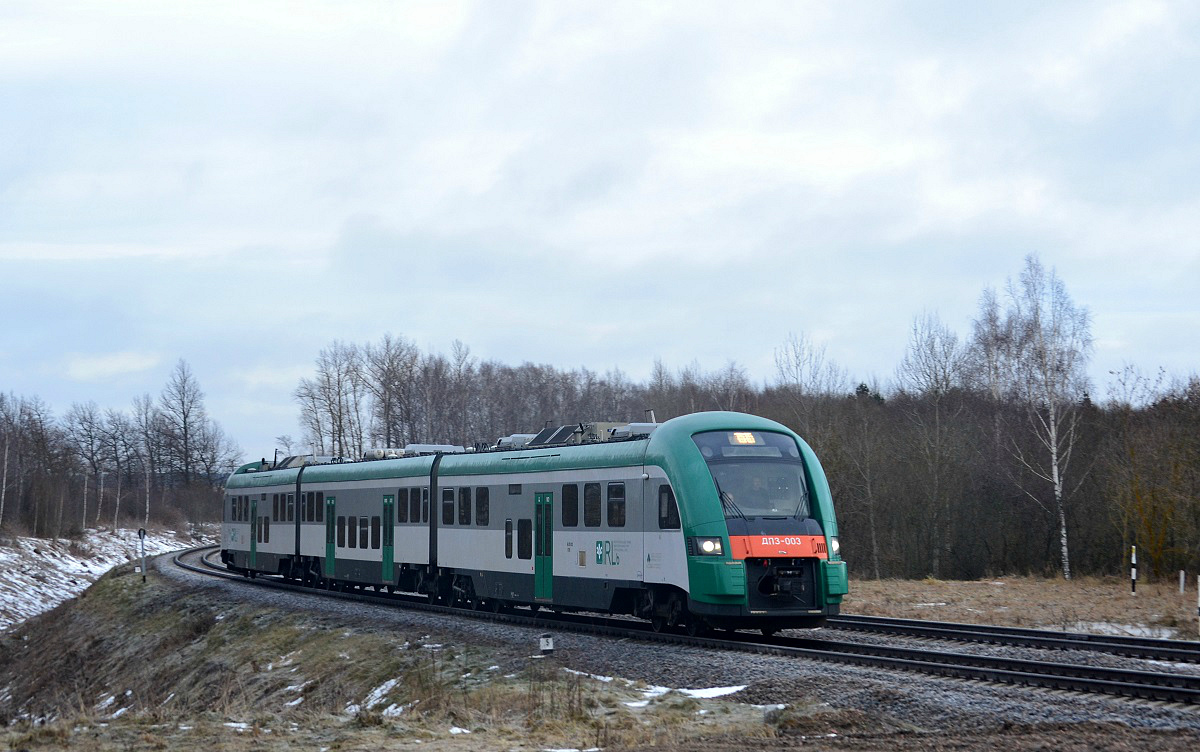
(658, 623)
(768, 631)
(497, 606)
(696, 627)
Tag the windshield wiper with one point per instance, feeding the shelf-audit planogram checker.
(727, 504)
(803, 507)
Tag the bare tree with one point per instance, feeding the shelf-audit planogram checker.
(7, 425)
(806, 380)
(933, 367)
(150, 424)
(120, 448)
(182, 415)
(85, 431)
(333, 404)
(934, 362)
(1038, 352)
(390, 375)
(729, 387)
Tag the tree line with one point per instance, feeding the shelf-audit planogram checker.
(163, 459)
(985, 454)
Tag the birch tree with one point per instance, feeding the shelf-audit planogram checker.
(1037, 351)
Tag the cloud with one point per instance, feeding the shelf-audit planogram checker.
(101, 367)
(282, 379)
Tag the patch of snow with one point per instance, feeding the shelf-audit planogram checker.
(457, 730)
(37, 574)
(651, 692)
(597, 677)
(929, 605)
(378, 694)
(294, 702)
(240, 727)
(704, 694)
(394, 711)
(119, 713)
(1122, 630)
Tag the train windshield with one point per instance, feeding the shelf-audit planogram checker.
(757, 473)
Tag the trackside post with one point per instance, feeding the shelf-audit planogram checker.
(1133, 571)
(142, 540)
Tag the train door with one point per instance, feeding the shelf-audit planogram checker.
(664, 544)
(330, 550)
(254, 531)
(543, 547)
(389, 537)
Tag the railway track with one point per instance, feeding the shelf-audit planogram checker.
(1150, 648)
(1162, 686)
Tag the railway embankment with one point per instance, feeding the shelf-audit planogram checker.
(184, 662)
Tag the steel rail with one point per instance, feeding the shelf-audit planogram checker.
(1135, 647)
(1150, 685)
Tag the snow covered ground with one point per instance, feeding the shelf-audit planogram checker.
(36, 574)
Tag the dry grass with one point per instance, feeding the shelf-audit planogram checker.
(136, 666)
(189, 673)
(1072, 605)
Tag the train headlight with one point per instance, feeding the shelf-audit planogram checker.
(707, 547)
(834, 546)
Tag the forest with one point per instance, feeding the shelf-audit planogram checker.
(985, 454)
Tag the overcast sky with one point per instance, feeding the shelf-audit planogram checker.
(602, 184)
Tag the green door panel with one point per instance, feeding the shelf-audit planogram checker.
(389, 539)
(253, 531)
(543, 561)
(330, 550)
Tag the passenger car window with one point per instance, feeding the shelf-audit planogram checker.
(591, 504)
(616, 505)
(525, 539)
(464, 506)
(570, 505)
(483, 511)
(668, 510)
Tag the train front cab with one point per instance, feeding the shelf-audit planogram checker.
(760, 531)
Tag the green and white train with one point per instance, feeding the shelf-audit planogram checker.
(713, 519)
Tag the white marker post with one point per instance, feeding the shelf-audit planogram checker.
(1133, 571)
(142, 537)
(1182, 582)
